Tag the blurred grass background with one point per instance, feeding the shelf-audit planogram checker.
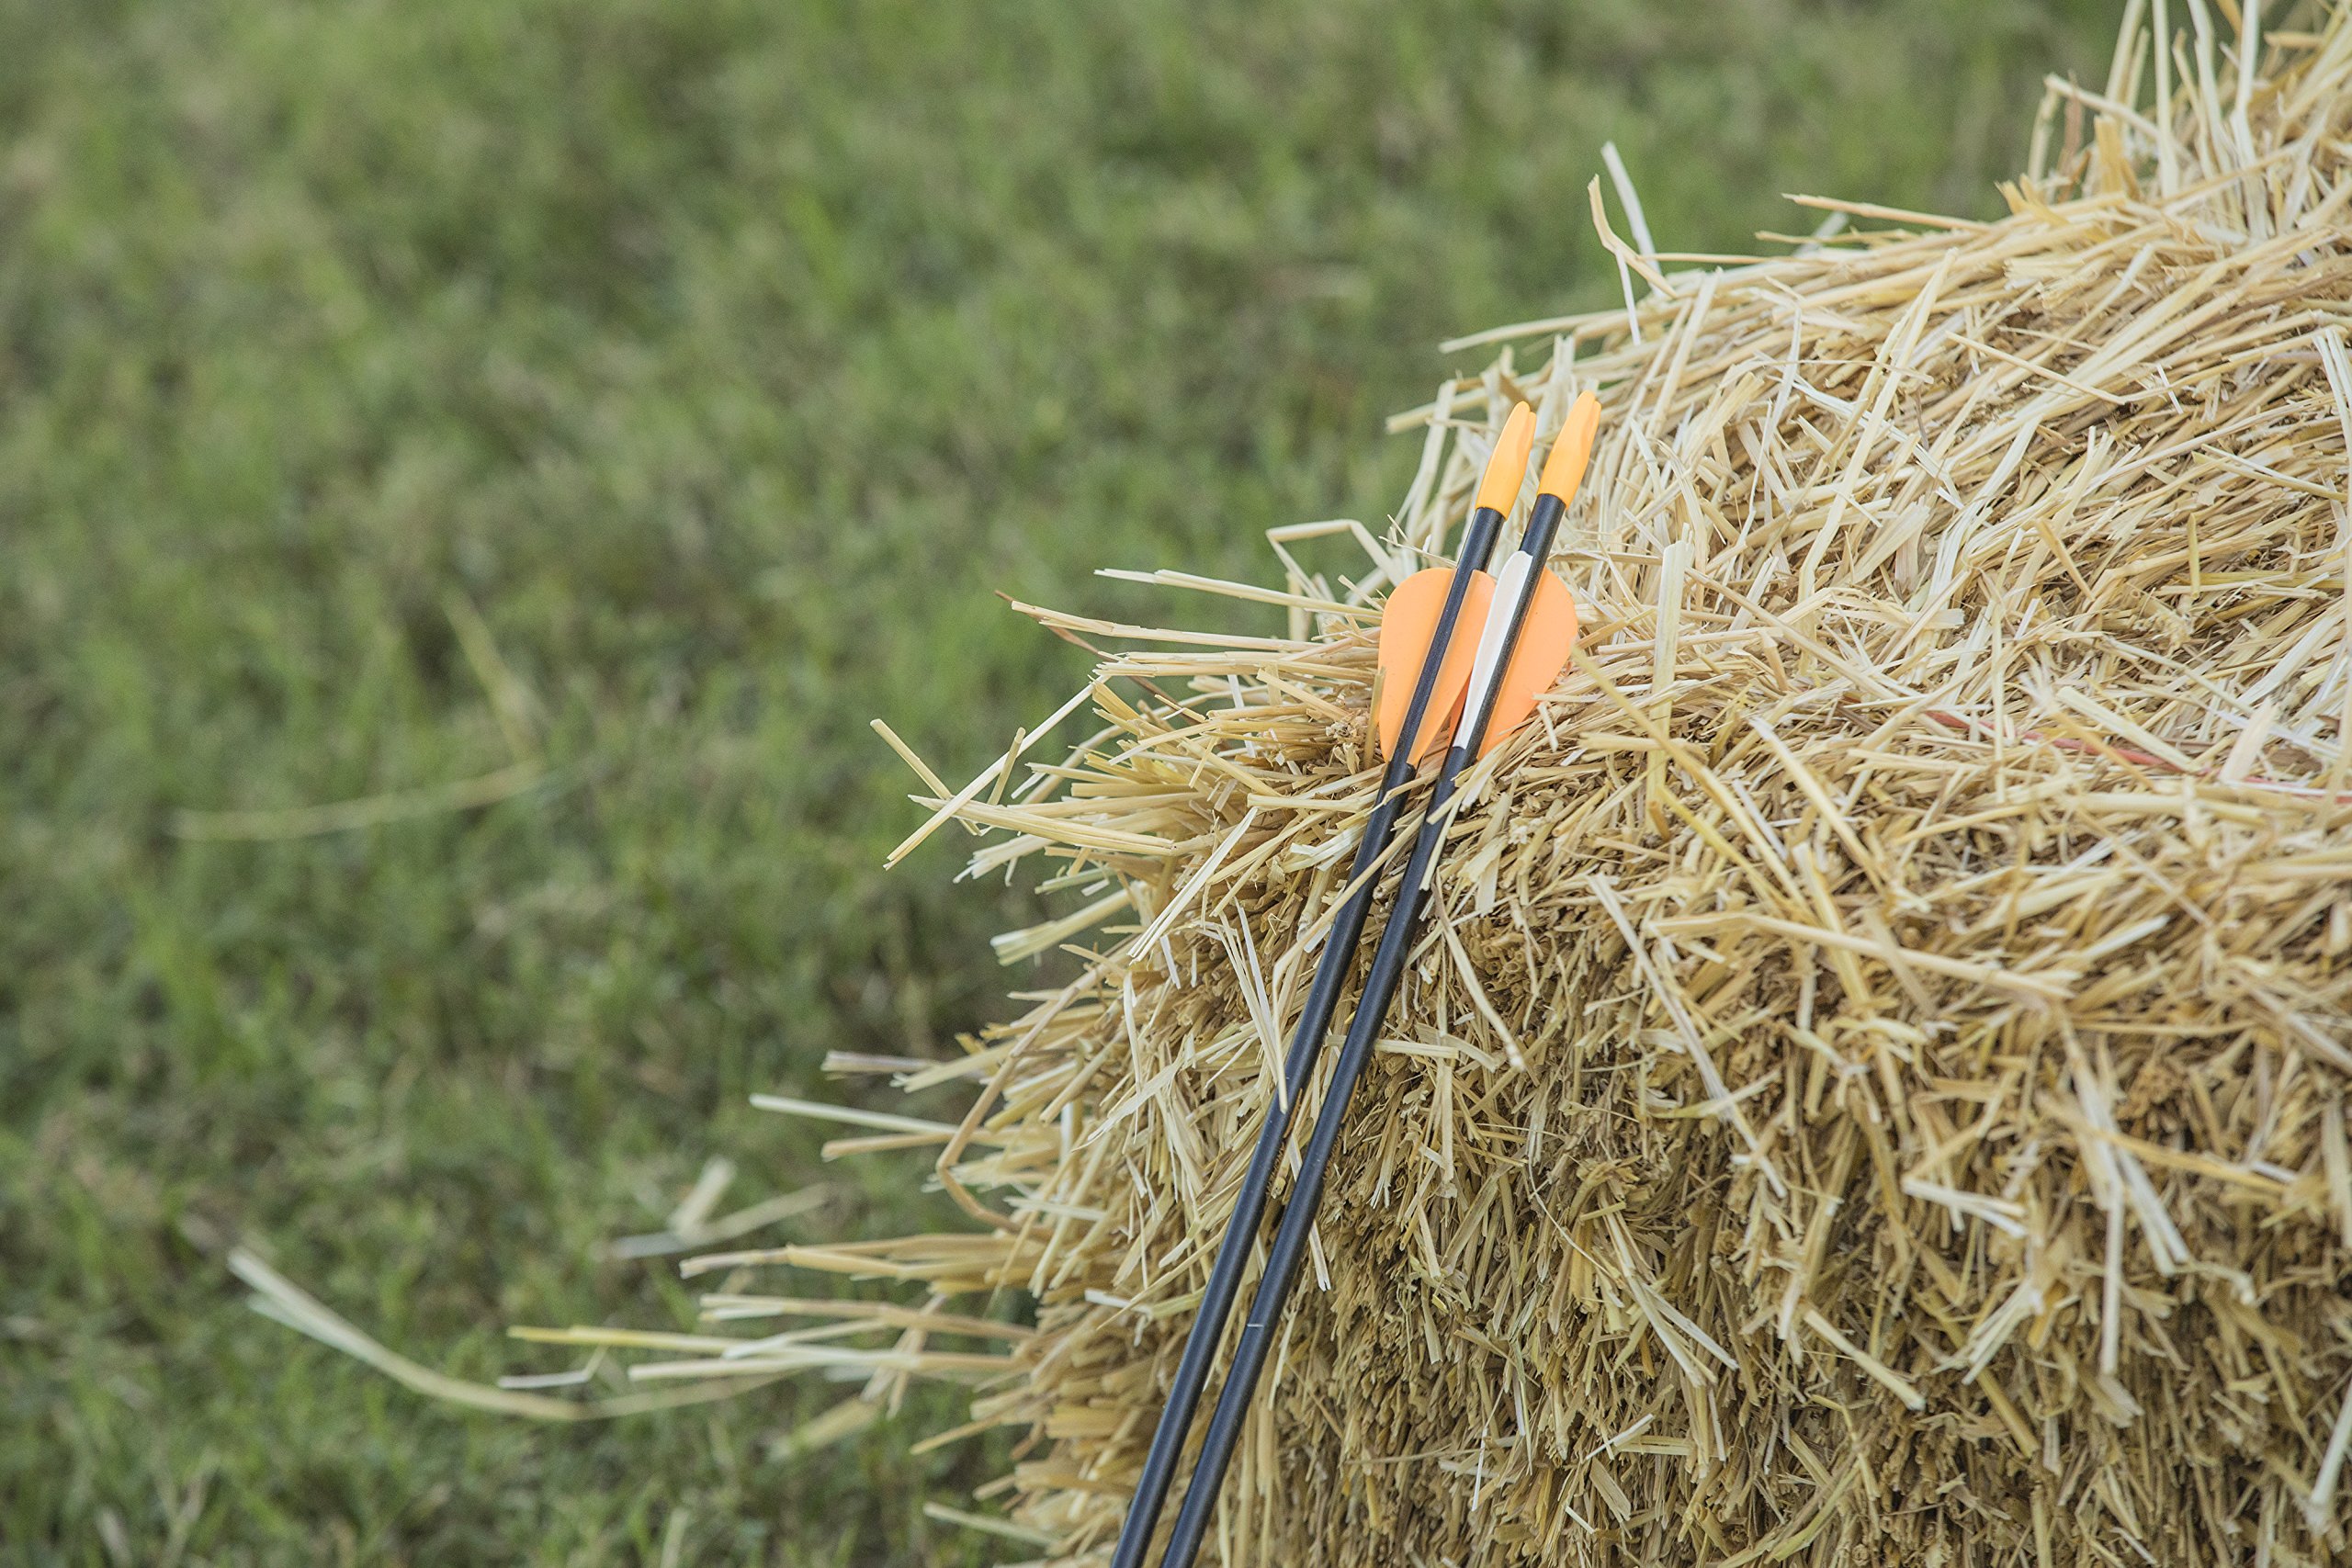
(720, 360)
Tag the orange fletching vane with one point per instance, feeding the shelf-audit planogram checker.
(1407, 624)
(1545, 641)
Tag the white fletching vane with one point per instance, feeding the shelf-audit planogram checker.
(1512, 585)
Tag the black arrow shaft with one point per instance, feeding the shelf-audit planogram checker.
(1288, 1249)
(1307, 1044)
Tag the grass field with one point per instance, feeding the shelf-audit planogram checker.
(394, 396)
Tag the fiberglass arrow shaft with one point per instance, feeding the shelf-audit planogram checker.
(1496, 493)
(1515, 591)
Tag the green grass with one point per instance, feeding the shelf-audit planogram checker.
(728, 358)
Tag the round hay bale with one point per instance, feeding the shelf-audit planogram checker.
(1874, 1085)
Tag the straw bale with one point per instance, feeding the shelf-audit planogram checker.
(1873, 1083)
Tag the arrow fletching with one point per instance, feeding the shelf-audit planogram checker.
(1543, 652)
(1407, 624)
(1408, 621)
(1550, 630)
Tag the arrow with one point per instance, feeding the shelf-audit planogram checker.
(1421, 704)
(1517, 641)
